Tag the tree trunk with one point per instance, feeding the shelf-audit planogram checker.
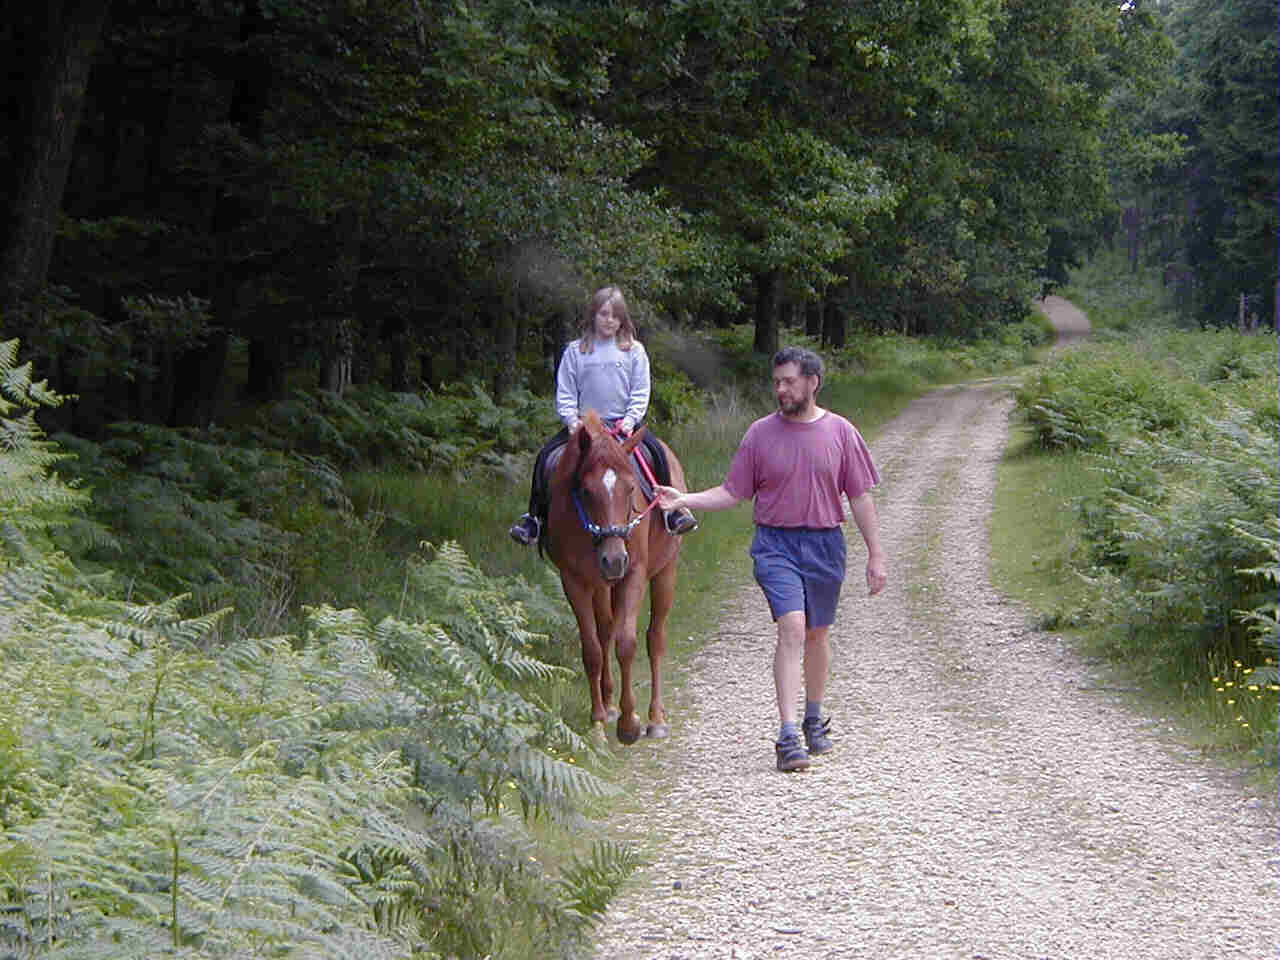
(813, 319)
(766, 339)
(400, 365)
(394, 333)
(833, 325)
(201, 373)
(267, 363)
(199, 376)
(337, 353)
(556, 332)
(1132, 221)
(58, 40)
(338, 346)
(786, 315)
(427, 369)
(505, 343)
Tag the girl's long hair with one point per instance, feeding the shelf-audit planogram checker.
(626, 335)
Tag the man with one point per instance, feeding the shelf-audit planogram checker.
(795, 464)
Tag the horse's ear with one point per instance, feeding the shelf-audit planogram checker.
(633, 441)
(584, 439)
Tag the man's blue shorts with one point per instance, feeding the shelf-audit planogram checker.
(800, 568)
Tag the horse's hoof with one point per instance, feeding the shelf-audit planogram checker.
(657, 731)
(598, 734)
(612, 714)
(631, 734)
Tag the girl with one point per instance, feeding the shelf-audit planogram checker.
(606, 370)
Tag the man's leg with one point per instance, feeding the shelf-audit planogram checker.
(817, 662)
(817, 666)
(789, 664)
(824, 575)
(788, 678)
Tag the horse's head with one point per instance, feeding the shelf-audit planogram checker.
(606, 494)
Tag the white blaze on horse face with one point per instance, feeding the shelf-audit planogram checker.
(609, 480)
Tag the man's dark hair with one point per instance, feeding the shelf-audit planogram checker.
(807, 362)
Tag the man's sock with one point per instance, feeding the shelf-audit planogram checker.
(813, 708)
(789, 729)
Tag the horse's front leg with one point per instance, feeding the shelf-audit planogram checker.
(662, 595)
(602, 601)
(581, 600)
(626, 607)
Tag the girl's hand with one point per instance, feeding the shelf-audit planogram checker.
(573, 427)
(625, 426)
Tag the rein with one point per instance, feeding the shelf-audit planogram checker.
(599, 533)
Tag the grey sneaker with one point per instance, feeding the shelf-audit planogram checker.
(816, 732)
(526, 530)
(791, 755)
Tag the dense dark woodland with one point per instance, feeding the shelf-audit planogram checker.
(208, 201)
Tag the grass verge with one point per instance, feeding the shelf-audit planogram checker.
(1040, 554)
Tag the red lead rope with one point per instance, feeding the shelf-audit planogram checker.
(644, 468)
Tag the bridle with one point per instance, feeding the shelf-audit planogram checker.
(624, 531)
(599, 533)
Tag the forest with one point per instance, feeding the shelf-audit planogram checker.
(243, 197)
(283, 284)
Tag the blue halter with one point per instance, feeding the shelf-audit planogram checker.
(599, 533)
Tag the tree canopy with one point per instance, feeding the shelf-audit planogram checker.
(414, 191)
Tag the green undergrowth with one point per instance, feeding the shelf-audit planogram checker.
(358, 787)
(1137, 510)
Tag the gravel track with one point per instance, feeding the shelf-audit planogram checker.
(990, 796)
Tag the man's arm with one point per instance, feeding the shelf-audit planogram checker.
(714, 498)
(864, 515)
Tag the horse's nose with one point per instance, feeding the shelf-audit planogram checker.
(613, 564)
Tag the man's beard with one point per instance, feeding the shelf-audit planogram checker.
(795, 406)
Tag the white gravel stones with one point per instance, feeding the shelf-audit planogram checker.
(989, 796)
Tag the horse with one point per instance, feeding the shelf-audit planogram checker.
(608, 544)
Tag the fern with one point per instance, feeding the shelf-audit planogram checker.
(588, 886)
(350, 792)
(1185, 527)
(1263, 618)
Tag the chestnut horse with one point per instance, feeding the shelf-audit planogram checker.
(609, 542)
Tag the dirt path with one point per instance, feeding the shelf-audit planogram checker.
(989, 795)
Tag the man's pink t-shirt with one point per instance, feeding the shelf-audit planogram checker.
(797, 471)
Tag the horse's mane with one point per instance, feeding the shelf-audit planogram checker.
(603, 447)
